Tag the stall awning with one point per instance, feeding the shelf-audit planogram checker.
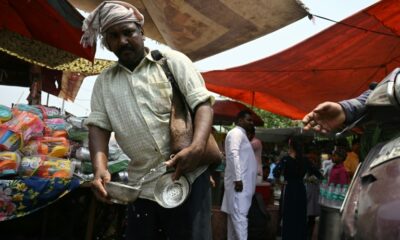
(202, 28)
(338, 63)
(44, 32)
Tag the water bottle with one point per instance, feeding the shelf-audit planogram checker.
(322, 192)
(329, 195)
(336, 196)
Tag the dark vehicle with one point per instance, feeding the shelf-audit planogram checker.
(371, 210)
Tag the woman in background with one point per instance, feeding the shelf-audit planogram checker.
(294, 202)
(312, 182)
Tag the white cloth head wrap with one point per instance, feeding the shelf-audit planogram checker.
(106, 15)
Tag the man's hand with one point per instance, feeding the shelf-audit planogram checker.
(97, 184)
(325, 117)
(185, 161)
(98, 146)
(238, 186)
(188, 159)
(212, 182)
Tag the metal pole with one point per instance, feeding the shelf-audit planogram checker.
(62, 107)
(253, 99)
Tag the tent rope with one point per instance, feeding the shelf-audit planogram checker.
(352, 26)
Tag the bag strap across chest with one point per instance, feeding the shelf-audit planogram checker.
(156, 54)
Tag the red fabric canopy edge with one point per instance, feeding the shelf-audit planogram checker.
(336, 64)
(39, 20)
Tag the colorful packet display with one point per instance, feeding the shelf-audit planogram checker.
(28, 108)
(5, 114)
(25, 123)
(9, 163)
(55, 127)
(49, 112)
(55, 123)
(9, 140)
(46, 167)
(50, 146)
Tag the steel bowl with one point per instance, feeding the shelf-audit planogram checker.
(121, 193)
(169, 193)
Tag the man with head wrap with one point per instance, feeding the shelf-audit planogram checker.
(133, 99)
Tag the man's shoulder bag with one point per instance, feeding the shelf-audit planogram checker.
(181, 121)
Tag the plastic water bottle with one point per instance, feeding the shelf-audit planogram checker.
(336, 196)
(329, 195)
(323, 187)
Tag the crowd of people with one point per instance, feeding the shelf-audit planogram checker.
(133, 99)
(299, 168)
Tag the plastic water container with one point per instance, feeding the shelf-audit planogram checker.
(336, 195)
(322, 192)
(329, 195)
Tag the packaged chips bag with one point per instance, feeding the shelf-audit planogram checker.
(9, 163)
(5, 114)
(26, 124)
(45, 167)
(50, 146)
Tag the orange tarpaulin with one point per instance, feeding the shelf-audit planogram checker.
(336, 64)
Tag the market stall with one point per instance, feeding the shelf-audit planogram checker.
(35, 168)
(44, 158)
(42, 175)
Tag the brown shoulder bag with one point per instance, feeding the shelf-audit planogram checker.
(181, 121)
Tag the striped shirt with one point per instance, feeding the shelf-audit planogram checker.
(136, 105)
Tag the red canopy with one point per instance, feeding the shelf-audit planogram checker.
(338, 63)
(55, 23)
(225, 112)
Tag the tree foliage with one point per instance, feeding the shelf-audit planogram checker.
(272, 120)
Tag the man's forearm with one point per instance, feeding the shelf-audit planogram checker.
(202, 124)
(355, 108)
(98, 146)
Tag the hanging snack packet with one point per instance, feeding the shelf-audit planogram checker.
(46, 167)
(5, 114)
(9, 163)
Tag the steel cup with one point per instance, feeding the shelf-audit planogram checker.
(169, 193)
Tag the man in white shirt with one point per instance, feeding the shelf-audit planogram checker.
(257, 147)
(327, 165)
(240, 177)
